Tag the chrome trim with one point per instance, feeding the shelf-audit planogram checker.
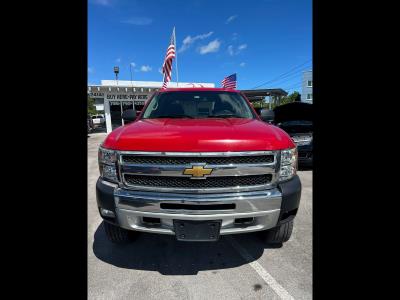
(201, 217)
(200, 154)
(202, 190)
(114, 185)
(218, 170)
(155, 196)
(245, 202)
(132, 220)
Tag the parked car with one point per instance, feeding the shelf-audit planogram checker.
(90, 125)
(296, 119)
(197, 163)
(98, 120)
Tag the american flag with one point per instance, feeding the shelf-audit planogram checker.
(229, 82)
(167, 66)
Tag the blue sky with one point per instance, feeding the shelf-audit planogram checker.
(261, 40)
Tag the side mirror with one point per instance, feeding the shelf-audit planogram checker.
(129, 116)
(267, 115)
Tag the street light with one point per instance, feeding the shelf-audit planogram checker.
(116, 71)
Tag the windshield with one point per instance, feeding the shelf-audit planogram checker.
(198, 105)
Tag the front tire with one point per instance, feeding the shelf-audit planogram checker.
(279, 234)
(118, 235)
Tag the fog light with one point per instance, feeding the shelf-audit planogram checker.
(107, 213)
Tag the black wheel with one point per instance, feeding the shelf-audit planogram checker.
(279, 234)
(117, 234)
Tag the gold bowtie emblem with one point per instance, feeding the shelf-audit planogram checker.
(197, 171)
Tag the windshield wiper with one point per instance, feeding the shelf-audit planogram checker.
(225, 116)
(173, 116)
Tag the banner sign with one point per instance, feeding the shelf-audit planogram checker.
(126, 97)
(96, 95)
(119, 102)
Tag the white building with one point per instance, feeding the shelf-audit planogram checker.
(307, 87)
(114, 97)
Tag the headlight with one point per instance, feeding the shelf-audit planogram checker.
(107, 164)
(107, 156)
(288, 164)
(302, 140)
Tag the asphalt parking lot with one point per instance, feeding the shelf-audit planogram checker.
(235, 267)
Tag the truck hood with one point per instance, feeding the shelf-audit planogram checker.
(293, 112)
(198, 135)
(295, 127)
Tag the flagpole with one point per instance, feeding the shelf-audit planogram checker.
(130, 66)
(176, 60)
(162, 72)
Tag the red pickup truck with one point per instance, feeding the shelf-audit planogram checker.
(198, 163)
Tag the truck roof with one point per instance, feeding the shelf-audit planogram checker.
(198, 89)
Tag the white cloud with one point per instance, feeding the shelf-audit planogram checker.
(133, 64)
(188, 41)
(212, 46)
(118, 60)
(234, 36)
(230, 19)
(232, 51)
(242, 64)
(141, 21)
(145, 68)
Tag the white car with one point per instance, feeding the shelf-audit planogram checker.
(98, 120)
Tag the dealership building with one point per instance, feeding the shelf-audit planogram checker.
(113, 97)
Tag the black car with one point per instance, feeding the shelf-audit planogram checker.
(296, 119)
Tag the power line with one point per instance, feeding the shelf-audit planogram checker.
(280, 76)
(289, 77)
(296, 73)
(292, 86)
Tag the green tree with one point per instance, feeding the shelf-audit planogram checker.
(91, 109)
(295, 96)
(260, 104)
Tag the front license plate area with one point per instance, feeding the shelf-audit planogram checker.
(197, 231)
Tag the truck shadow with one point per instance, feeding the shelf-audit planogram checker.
(162, 253)
(99, 129)
(305, 168)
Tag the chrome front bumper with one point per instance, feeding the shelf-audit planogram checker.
(131, 206)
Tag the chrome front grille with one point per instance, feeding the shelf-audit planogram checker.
(173, 172)
(168, 160)
(210, 182)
